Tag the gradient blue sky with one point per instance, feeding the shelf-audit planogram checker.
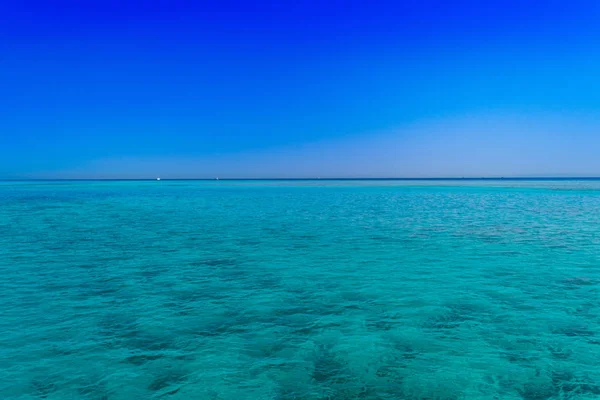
(347, 89)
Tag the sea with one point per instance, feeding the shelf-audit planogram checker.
(300, 289)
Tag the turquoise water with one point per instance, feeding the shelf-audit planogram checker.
(300, 290)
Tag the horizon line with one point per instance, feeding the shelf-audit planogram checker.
(307, 179)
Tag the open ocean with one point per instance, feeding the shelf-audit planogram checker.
(233, 290)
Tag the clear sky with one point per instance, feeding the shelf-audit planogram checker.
(299, 89)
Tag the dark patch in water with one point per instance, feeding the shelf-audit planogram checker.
(99, 288)
(153, 271)
(166, 379)
(266, 350)
(447, 320)
(359, 392)
(454, 316)
(43, 386)
(171, 392)
(577, 282)
(93, 390)
(327, 369)
(61, 351)
(230, 324)
(382, 322)
(219, 262)
(147, 342)
(191, 297)
(385, 371)
(312, 329)
(560, 353)
(392, 376)
(248, 242)
(567, 382)
(142, 359)
(561, 384)
(352, 307)
(118, 326)
(536, 391)
(380, 325)
(491, 239)
(290, 310)
(289, 393)
(354, 297)
(268, 281)
(519, 356)
(406, 351)
(575, 331)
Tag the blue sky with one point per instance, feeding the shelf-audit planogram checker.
(348, 89)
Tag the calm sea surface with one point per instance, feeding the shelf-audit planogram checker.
(300, 290)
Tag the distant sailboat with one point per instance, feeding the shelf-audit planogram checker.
(158, 179)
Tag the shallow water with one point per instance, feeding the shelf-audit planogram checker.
(300, 290)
